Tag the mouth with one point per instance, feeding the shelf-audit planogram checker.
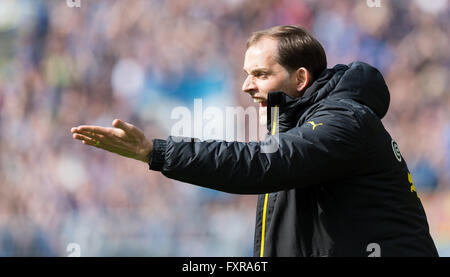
(261, 101)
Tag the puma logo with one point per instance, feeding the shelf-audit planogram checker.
(314, 125)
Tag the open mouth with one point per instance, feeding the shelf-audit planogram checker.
(262, 102)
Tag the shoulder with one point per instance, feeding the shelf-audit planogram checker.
(343, 117)
(351, 110)
(333, 110)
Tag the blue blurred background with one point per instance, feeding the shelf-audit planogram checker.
(137, 59)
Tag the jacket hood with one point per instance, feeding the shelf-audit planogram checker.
(357, 81)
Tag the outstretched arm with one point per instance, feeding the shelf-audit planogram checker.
(323, 149)
(124, 139)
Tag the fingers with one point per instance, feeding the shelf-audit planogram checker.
(127, 127)
(87, 137)
(90, 140)
(98, 140)
(124, 139)
(102, 142)
(91, 134)
(121, 128)
(92, 129)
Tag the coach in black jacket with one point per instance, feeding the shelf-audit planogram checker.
(331, 180)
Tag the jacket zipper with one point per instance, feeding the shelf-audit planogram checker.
(274, 125)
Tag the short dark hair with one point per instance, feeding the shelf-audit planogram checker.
(296, 48)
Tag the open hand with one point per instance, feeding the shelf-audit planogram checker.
(124, 139)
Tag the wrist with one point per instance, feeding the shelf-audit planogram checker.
(146, 151)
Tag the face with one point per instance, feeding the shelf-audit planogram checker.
(265, 74)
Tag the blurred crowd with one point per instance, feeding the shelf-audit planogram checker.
(64, 66)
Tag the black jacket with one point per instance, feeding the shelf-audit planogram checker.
(331, 180)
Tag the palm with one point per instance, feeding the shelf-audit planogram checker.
(124, 139)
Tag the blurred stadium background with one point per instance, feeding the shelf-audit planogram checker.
(61, 67)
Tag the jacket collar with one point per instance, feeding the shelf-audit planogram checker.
(357, 81)
(291, 109)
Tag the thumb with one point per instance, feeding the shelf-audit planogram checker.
(117, 123)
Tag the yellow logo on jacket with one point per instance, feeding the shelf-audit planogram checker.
(314, 125)
(412, 187)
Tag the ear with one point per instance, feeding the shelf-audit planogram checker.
(303, 77)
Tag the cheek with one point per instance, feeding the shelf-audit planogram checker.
(264, 87)
(276, 85)
(287, 86)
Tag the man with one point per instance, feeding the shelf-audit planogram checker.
(336, 184)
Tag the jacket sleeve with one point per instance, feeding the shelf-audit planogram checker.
(323, 149)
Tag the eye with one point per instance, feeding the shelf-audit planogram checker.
(261, 75)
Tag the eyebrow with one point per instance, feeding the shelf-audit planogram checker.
(258, 70)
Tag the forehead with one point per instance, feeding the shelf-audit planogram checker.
(261, 54)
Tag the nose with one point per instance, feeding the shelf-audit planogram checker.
(249, 85)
